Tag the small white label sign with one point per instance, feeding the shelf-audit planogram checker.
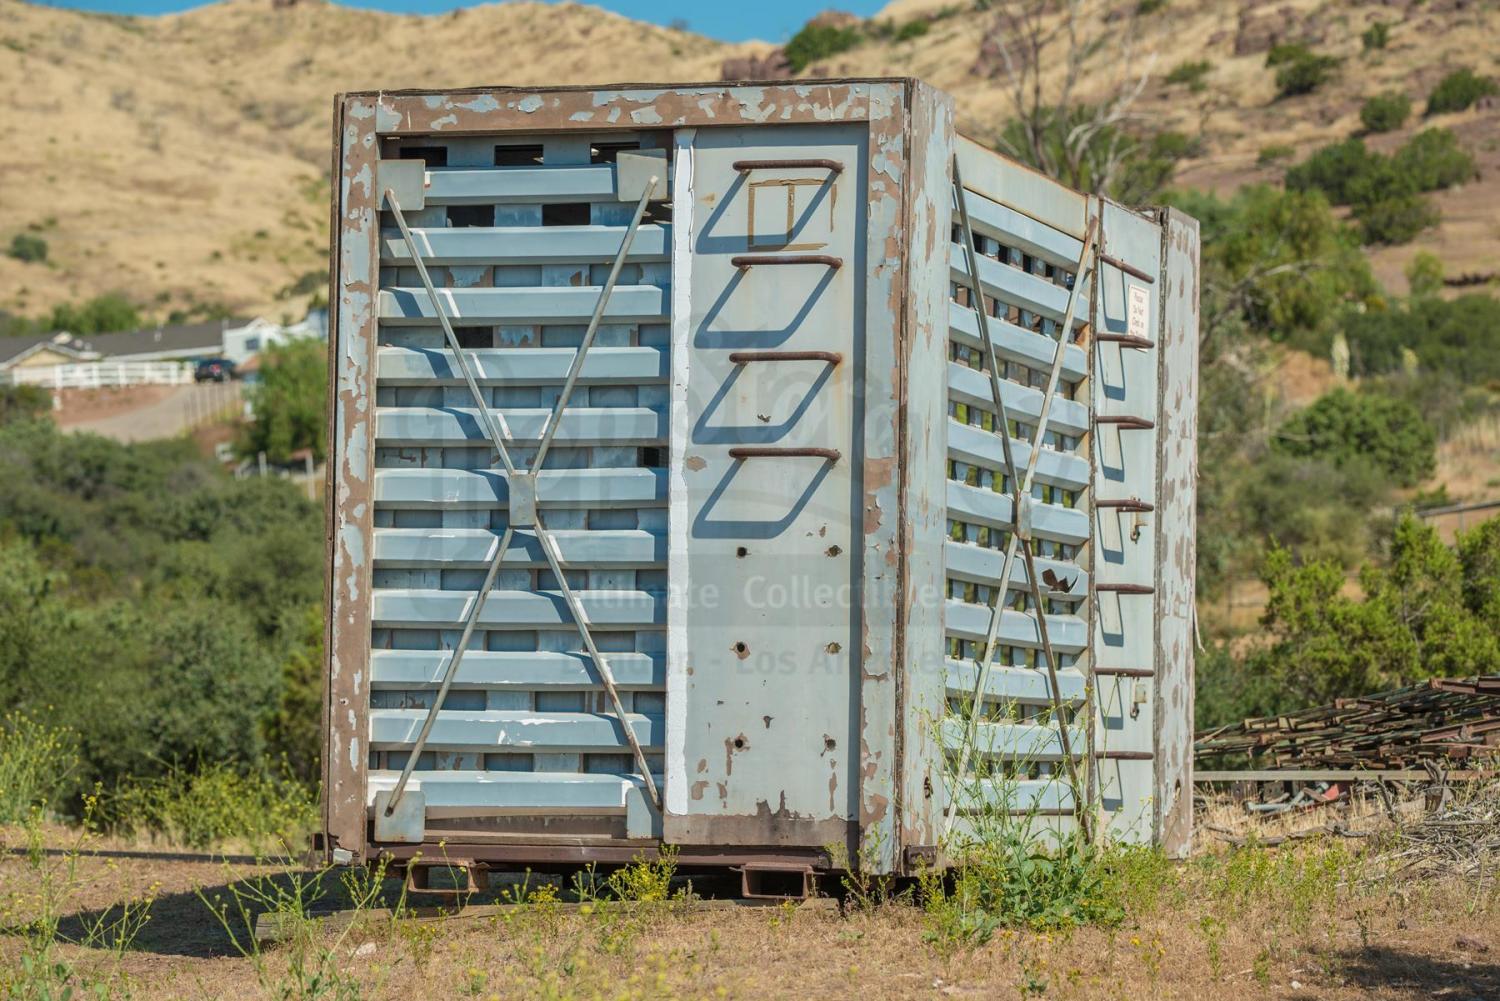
(1138, 319)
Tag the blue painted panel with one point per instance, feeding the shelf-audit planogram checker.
(399, 366)
(533, 669)
(504, 729)
(468, 306)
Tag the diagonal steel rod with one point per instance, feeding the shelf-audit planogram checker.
(494, 422)
(451, 671)
(575, 608)
(1020, 485)
(555, 420)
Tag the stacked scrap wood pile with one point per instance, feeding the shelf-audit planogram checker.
(1448, 718)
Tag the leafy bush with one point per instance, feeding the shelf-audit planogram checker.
(1385, 112)
(1432, 160)
(1455, 337)
(1011, 880)
(1148, 160)
(1376, 36)
(1331, 169)
(215, 805)
(1190, 73)
(819, 41)
(1146, 7)
(1458, 91)
(1394, 219)
(28, 247)
(1415, 621)
(1348, 428)
(24, 402)
(1299, 70)
(1385, 192)
(103, 314)
(1256, 247)
(1424, 274)
(1274, 153)
(913, 29)
(150, 603)
(290, 401)
(38, 766)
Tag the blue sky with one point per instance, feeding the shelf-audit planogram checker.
(772, 20)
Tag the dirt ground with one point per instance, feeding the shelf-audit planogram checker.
(1190, 937)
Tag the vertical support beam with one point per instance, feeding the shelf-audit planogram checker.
(879, 385)
(1176, 551)
(924, 463)
(352, 341)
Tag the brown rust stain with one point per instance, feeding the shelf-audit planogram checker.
(697, 789)
(694, 462)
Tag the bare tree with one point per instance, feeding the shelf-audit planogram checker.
(1044, 48)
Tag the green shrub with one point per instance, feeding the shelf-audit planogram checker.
(1283, 53)
(1147, 7)
(1454, 337)
(1376, 36)
(1304, 74)
(1190, 73)
(290, 401)
(24, 403)
(1458, 91)
(215, 805)
(1386, 191)
(103, 314)
(912, 29)
(1394, 219)
(1424, 274)
(1432, 160)
(1257, 245)
(1385, 112)
(1331, 169)
(819, 41)
(1275, 153)
(28, 248)
(1011, 879)
(38, 766)
(1348, 428)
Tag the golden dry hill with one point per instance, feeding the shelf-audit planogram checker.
(183, 158)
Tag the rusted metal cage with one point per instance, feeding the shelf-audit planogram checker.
(682, 437)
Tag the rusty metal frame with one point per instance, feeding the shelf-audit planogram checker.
(362, 120)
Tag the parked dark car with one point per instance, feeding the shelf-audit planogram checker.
(214, 370)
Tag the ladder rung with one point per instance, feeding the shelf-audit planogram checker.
(1126, 588)
(1124, 672)
(1127, 423)
(1125, 504)
(744, 166)
(745, 357)
(775, 452)
(752, 260)
(1133, 272)
(1125, 340)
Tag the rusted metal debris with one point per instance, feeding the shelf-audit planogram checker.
(1454, 719)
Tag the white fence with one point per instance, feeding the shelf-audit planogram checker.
(98, 374)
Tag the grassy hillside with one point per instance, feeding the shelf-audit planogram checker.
(182, 159)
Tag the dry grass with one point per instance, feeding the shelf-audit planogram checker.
(1312, 920)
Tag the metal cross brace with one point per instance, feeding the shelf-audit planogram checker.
(522, 500)
(1021, 486)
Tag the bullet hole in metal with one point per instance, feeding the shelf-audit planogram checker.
(833, 550)
(833, 647)
(742, 650)
(741, 552)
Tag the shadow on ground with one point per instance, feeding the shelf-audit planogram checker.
(1393, 971)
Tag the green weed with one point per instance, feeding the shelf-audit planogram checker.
(217, 804)
(37, 765)
(43, 972)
